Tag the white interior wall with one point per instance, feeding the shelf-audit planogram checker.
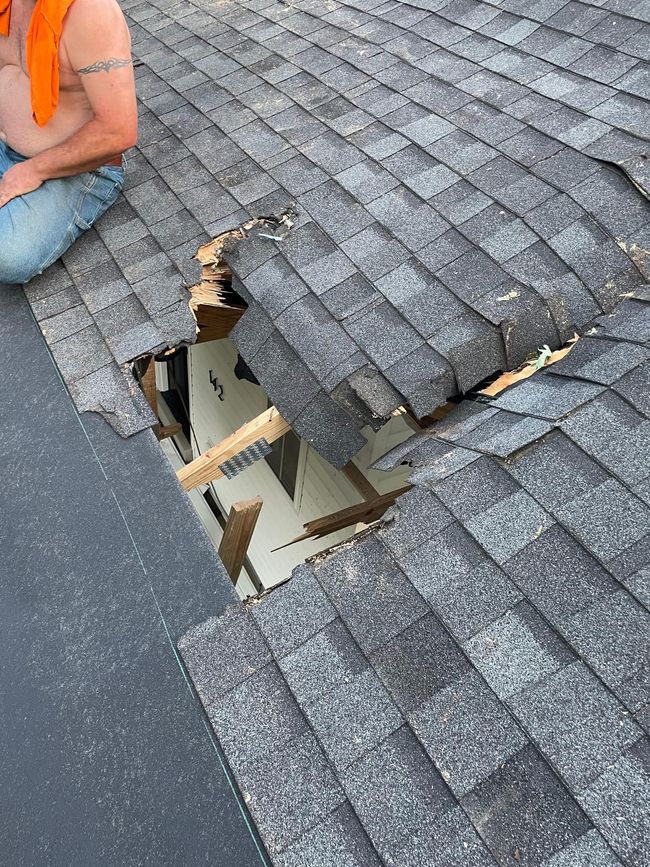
(320, 488)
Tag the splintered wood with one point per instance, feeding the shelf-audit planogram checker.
(213, 302)
(528, 369)
(206, 467)
(361, 513)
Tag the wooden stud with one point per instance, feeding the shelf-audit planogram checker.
(354, 475)
(169, 430)
(205, 468)
(237, 535)
(148, 384)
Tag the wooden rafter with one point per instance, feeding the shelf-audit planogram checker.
(205, 468)
(354, 475)
(237, 535)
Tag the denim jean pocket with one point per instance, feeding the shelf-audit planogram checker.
(100, 193)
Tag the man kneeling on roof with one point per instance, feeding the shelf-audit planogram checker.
(67, 113)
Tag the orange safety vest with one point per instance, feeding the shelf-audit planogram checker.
(43, 36)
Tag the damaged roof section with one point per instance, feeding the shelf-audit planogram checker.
(461, 201)
(470, 184)
(467, 683)
(97, 316)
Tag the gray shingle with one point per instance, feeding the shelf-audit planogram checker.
(81, 353)
(607, 519)
(330, 429)
(418, 662)
(558, 576)
(371, 594)
(256, 717)
(316, 336)
(294, 612)
(419, 297)
(473, 347)
(623, 790)
(396, 791)
(337, 841)
(517, 651)
(350, 296)
(353, 718)
(617, 436)
(556, 471)
(505, 433)
(467, 732)
(452, 840)
(214, 658)
(613, 636)
(547, 396)
(335, 208)
(416, 517)
(425, 379)
(589, 849)
(524, 807)
(509, 525)
(275, 285)
(374, 251)
(413, 222)
(579, 726)
(384, 335)
(476, 488)
(449, 555)
(366, 181)
(327, 660)
(308, 793)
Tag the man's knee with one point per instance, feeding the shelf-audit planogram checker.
(17, 266)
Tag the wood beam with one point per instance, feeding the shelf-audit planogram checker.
(216, 321)
(237, 535)
(148, 384)
(354, 475)
(366, 513)
(169, 430)
(205, 468)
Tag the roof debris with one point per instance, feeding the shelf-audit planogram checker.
(544, 358)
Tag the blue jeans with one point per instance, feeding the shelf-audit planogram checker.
(37, 229)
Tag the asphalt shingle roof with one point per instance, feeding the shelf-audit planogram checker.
(474, 669)
(461, 173)
(468, 184)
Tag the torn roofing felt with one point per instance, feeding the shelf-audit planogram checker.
(469, 180)
(468, 683)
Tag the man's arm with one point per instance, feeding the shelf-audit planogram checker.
(97, 42)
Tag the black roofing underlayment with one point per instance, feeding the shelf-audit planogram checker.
(468, 182)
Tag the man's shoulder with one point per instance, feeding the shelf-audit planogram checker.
(94, 13)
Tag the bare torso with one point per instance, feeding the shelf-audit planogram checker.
(17, 127)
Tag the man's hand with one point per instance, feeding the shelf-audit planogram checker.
(20, 179)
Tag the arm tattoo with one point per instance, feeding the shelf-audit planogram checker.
(106, 65)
